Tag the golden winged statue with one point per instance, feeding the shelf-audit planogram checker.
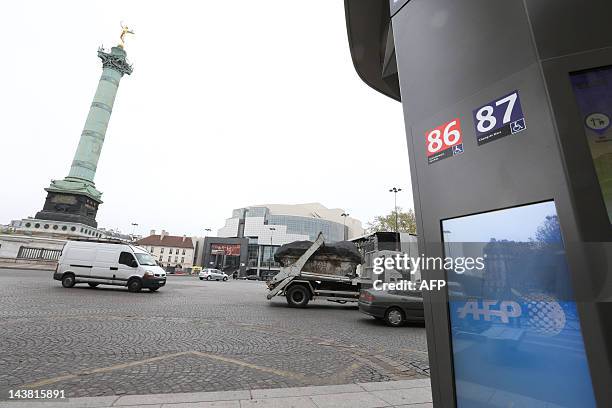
(124, 30)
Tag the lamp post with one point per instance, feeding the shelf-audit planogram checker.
(206, 231)
(134, 225)
(396, 190)
(344, 215)
(272, 229)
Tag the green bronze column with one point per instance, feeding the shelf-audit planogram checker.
(92, 138)
(75, 198)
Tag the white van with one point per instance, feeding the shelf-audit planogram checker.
(108, 263)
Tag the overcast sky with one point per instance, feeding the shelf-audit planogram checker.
(231, 103)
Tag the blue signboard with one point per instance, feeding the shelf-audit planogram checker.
(499, 118)
(515, 328)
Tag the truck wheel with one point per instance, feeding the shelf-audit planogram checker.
(298, 296)
(68, 280)
(92, 284)
(134, 285)
(394, 317)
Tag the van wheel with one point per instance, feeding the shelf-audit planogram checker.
(208, 277)
(134, 285)
(68, 280)
(394, 317)
(93, 285)
(225, 279)
(201, 278)
(298, 296)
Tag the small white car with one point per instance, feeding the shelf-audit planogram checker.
(212, 274)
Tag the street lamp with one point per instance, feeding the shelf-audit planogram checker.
(344, 215)
(396, 190)
(272, 229)
(134, 225)
(207, 231)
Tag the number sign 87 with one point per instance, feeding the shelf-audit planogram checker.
(444, 137)
(488, 116)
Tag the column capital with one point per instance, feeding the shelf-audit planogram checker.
(116, 60)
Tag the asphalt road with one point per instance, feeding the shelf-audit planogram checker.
(189, 336)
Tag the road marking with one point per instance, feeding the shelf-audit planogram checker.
(101, 370)
(281, 373)
(346, 374)
(241, 363)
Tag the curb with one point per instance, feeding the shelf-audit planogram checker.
(408, 393)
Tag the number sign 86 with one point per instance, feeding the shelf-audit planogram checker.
(444, 137)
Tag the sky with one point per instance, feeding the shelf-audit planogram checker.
(231, 103)
(518, 224)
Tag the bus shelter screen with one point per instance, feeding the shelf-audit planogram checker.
(593, 92)
(515, 330)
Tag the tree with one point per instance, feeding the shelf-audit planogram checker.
(550, 231)
(406, 222)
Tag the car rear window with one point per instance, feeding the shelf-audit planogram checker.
(412, 293)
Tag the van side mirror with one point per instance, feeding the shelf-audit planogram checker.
(134, 264)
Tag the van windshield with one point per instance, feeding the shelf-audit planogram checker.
(145, 259)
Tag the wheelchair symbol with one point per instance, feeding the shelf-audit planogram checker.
(518, 126)
(458, 149)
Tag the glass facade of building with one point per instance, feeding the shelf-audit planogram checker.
(332, 231)
(267, 231)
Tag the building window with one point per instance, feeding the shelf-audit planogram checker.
(170, 251)
(253, 254)
(46, 226)
(176, 259)
(72, 229)
(162, 250)
(55, 227)
(64, 228)
(183, 252)
(268, 257)
(183, 259)
(37, 225)
(168, 259)
(152, 249)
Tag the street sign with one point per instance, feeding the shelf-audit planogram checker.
(444, 141)
(499, 118)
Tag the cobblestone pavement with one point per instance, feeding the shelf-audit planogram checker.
(190, 336)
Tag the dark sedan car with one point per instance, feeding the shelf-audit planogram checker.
(395, 307)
